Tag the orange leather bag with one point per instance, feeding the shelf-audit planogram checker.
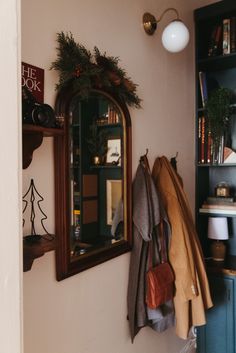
(159, 279)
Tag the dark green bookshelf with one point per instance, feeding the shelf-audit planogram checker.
(219, 333)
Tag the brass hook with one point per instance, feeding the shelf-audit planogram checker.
(144, 160)
(173, 161)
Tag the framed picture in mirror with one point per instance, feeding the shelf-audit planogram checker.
(114, 195)
(114, 151)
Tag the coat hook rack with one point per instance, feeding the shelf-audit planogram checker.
(144, 161)
(144, 155)
(173, 161)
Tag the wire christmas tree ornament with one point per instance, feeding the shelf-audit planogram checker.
(30, 202)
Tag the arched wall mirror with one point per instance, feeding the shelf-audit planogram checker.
(92, 180)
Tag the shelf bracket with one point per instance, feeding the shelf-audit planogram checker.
(31, 141)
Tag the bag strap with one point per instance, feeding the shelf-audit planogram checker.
(163, 251)
(147, 176)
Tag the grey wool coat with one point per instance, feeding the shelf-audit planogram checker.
(147, 214)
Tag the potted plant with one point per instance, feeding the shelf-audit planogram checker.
(219, 110)
(97, 143)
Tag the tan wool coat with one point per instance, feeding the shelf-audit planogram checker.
(192, 295)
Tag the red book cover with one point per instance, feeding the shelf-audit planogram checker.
(32, 78)
(218, 41)
(212, 42)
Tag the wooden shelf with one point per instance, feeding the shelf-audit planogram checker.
(111, 125)
(218, 212)
(47, 132)
(227, 267)
(33, 137)
(105, 166)
(33, 250)
(220, 165)
(220, 62)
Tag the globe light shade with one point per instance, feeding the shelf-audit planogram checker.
(217, 231)
(175, 36)
(218, 228)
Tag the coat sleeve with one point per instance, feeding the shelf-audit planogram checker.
(144, 220)
(192, 290)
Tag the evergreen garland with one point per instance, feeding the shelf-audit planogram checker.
(86, 71)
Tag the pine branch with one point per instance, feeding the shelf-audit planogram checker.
(77, 66)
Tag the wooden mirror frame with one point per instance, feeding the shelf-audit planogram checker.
(64, 266)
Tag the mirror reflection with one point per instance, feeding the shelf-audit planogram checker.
(96, 160)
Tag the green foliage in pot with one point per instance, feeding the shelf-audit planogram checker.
(97, 141)
(219, 111)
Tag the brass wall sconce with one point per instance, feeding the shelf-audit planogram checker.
(175, 36)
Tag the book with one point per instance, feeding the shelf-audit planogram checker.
(203, 87)
(199, 138)
(217, 211)
(218, 41)
(215, 45)
(212, 41)
(219, 200)
(209, 145)
(233, 34)
(232, 206)
(226, 36)
(203, 139)
(113, 117)
(221, 150)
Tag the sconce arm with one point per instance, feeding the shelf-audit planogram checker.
(164, 12)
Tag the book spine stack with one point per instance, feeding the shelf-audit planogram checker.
(223, 38)
(203, 87)
(208, 150)
(220, 200)
(205, 153)
(219, 205)
(113, 117)
(226, 36)
(215, 41)
(233, 34)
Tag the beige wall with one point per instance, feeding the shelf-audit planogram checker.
(87, 312)
(10, 185)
